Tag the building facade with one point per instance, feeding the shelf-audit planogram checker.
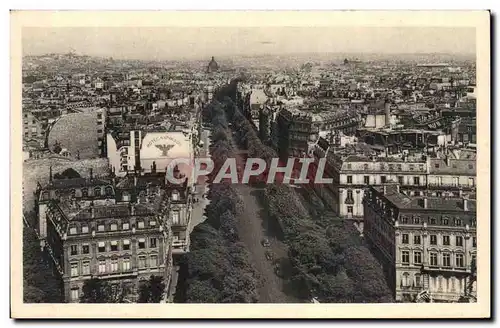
(424, 244)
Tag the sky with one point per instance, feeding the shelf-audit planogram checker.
(163, 43)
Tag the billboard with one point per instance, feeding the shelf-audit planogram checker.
(161, 148)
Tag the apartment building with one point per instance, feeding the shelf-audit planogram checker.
(424, 243)
(118, 231)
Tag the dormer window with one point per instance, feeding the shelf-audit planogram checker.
(175, 195)
(140, 224)
(97, 192)
(73, 193)
(72, 231)
(85, 192)
(109, 191)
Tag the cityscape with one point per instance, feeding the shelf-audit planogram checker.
(110, 216)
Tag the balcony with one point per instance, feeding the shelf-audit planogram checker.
(117, 274)
(453, 186)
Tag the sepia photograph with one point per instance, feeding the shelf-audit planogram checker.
(250, 164)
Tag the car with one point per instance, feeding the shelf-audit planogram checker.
(269, 256)
(265, 242)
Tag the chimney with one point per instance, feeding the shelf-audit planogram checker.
(466, 204)
(448, 160)
(387, 107)
(384, 190)
(92, 211)
(50, 174)
(132, 209)
(135, 180)
(423, 202)
(397, 188)
(91, 174)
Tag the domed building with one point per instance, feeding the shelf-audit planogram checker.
(212, 66)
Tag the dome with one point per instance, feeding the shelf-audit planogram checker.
(212, 66)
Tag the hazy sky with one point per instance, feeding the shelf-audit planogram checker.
(188, 42)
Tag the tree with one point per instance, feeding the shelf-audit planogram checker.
(57, 147)
(67, 174)
(95, 290)
(152, 290)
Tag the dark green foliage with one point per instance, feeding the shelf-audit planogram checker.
(96, 290)
(151, 291)
(41, 284)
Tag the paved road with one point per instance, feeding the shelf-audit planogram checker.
(252, 228)
(202, 187)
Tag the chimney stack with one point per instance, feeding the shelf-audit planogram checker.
(387, 107)
(92, 211)
(91, 174)
(384, 190)
(466, 204)
(135, 180)
(424, 202)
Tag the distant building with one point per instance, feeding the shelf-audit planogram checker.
(212, 67)
(424, 244)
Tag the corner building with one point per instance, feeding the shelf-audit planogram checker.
(424, 244)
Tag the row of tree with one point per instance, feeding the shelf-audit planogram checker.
(217, 268)
(326, 263)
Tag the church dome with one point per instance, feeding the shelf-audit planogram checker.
(212, 66)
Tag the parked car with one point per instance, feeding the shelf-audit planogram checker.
(265, 242)
(269, 256)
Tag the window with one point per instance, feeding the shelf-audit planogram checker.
(72, 231)
(446, 259)
(85, 192)
(142, 243)
(433, 239)
(100, 228)
(405, 258)
(102, 266)
(97, 192)
(109, 191)
(350, 209)
(455, 181)
(383, 179)
(349, 179)
(74, 269)
(405, 282)
(114, 265)
(417, 257)
(416, 181)
(432, 221)
(101, 247)
(459, 260)
(446, 240)
(140, 224)
(458, 222)
(436, 165)
(153, 261)
(405, 238)
(86, 268)
(471, 182)
(113, 227)
(152, 242)
(416, 220)
(175, 217)
(349, 195)
(434, 259)
(416, 240)
(459, 241)
(400, 180)
(418, 280)
(126, 245)
(126, 264)
(444, 221)
(75, 294)
(366, 179)
(99, 116)
(417, 193)
(85, 229)
(142, 262)
(114, 246)
(474, 242)
(126, 226)
(85, 249)
(152, 223)
(175, 195)
(74, 250)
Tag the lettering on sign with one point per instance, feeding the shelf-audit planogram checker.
(155, 140)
